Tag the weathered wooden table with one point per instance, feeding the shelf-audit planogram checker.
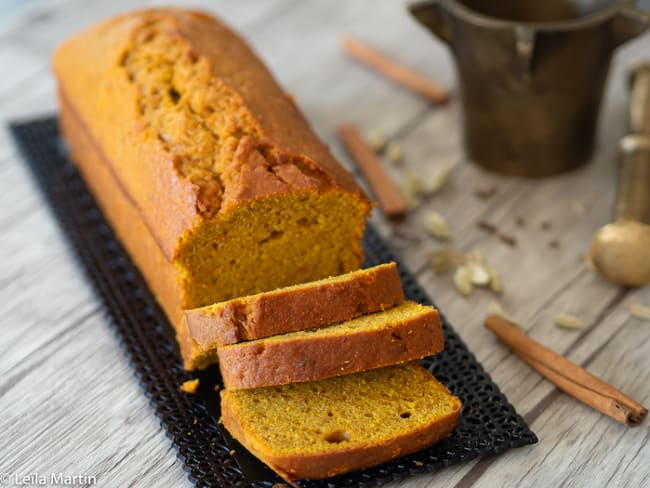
(68, 398)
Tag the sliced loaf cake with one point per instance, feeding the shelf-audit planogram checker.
(299, 307)
(403, 333)
(214, 181)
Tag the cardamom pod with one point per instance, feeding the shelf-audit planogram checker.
(376, 140)
(438, 180)
(463, 280)
(395, 153)
(639, 311)
(436, 225)
(566, 321)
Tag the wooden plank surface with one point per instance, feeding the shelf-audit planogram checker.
(69, 399)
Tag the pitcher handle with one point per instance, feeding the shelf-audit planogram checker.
(431, 14)
(630, 22)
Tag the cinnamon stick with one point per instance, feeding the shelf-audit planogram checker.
(390, 199)
(394, 70)
(568, 376)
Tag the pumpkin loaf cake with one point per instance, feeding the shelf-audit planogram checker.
(218, 188)
(323, 428)
(403, 333)
(298, 307)
(210, 175)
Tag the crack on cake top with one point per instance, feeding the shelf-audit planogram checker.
(202, 121)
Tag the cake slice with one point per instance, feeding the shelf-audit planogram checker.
(403, 333)
(300, 307)
(320, 429)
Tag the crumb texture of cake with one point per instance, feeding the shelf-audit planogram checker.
(320, 429)
(218, 165)
(403, 333)
(298, 307)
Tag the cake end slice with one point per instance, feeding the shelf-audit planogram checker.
(323, 428)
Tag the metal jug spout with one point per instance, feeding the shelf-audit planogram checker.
(430, 14)
(629, 23)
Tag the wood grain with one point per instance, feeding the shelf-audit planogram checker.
(69, 399)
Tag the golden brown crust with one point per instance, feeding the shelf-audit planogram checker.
(281, 119)
(83, 64)
(89, 67)
(308, 306)
(125, 220)
(312, 357)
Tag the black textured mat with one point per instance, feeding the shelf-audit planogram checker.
(488, 424)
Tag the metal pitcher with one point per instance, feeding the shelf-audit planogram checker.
(531, 75)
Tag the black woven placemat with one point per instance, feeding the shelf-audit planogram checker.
(488, 424)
